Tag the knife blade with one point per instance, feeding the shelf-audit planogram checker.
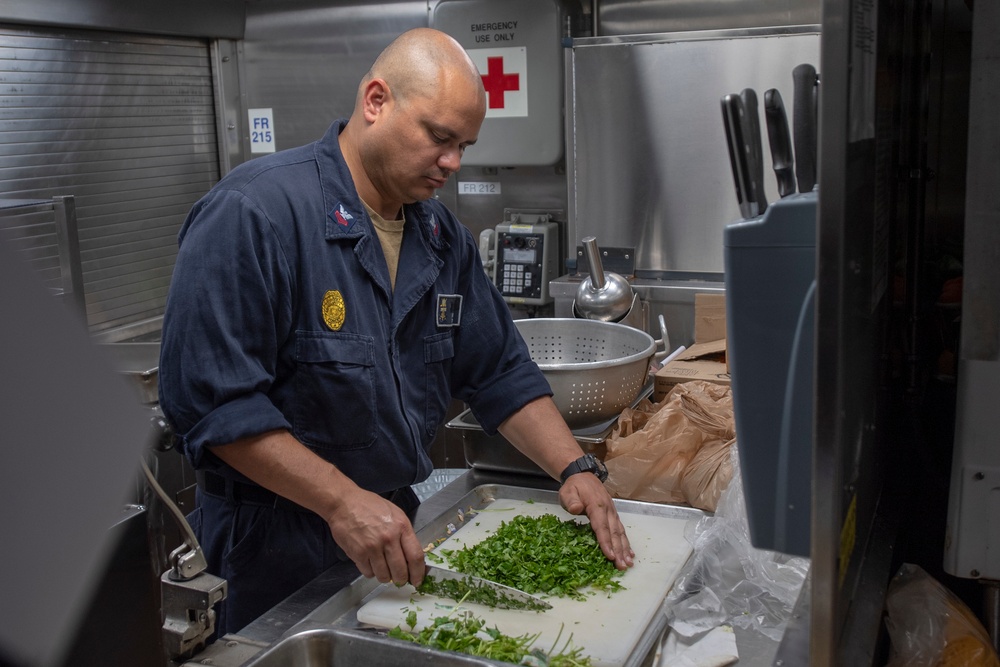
(804, 123)
(732, 116)
(780, 141)
(755, 153)
(455, 585)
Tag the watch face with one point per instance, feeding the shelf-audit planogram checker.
(586, 463)
(595, 465)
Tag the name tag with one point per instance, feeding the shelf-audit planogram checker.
(449, 310)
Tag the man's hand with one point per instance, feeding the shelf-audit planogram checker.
(584, 493)
(372, 531)
(539, 431)
(378, 537)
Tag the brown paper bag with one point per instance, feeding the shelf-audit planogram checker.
(675, 451)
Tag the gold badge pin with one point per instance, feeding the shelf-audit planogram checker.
(333, 309)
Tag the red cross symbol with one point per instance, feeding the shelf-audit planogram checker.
(496, 82)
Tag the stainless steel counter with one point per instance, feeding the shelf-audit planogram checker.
(307, 609)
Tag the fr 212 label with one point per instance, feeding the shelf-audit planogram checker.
(478, 188)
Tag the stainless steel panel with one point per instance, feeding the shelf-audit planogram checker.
(831, 431)
(305, 59)
(521, 187)
(194, 18)
(980, 305)
(227, 62)
(627, 17)
(973, 508)
(654, 173)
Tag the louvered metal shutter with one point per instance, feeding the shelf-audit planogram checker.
(125, 124)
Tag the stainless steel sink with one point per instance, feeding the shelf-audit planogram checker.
(336, 647)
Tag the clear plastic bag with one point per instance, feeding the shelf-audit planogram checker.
(929, 626)
(727, 580)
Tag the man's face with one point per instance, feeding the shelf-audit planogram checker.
(420, 141)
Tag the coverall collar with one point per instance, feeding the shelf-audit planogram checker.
(419, 261)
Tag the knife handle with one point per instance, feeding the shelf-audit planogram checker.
(804, 123)
(755, 153)
(780, 141)
(732, 116)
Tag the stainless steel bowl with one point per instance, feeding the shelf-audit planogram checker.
(596, 369)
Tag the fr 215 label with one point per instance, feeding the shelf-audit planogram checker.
(478, 188)
(261, 123)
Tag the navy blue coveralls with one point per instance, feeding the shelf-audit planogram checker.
(280, 315)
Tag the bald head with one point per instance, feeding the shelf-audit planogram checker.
(418, 108)
(422, 61)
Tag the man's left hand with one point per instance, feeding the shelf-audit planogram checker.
(584, 493)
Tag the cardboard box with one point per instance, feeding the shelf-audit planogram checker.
(701, 361)
(709, 317)
(706, 358)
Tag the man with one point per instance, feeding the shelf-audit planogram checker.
(323, 312)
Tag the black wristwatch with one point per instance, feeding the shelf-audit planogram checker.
(586, 463)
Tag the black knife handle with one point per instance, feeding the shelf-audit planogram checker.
(732, 116)
(804, 124)
(780, 141)
(755, 152)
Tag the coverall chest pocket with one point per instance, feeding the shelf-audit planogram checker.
(439, 350)
(335, 390)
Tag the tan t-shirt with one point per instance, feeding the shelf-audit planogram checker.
(390, 234)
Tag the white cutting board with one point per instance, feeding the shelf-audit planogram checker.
(607, 627)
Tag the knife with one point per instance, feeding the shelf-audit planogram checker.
(804, 123)
(780, 141)
(455, 585)
(755, 154)
(732, 116)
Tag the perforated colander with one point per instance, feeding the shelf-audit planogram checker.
(596, 369)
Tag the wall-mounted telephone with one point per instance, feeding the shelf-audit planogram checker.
(521, 256)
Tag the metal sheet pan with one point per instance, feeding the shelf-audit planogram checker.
(340, 611)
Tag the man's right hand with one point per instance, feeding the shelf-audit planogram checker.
(372, 531)
(378, 537)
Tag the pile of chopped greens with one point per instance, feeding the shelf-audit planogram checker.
(467, 634)
(540, 555)
(467, 589)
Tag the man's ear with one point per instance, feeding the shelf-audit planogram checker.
(375, 96)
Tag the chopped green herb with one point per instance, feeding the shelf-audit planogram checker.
(467, 589)
(467, 634)
(540, 555)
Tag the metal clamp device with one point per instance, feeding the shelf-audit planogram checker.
(188, 593)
